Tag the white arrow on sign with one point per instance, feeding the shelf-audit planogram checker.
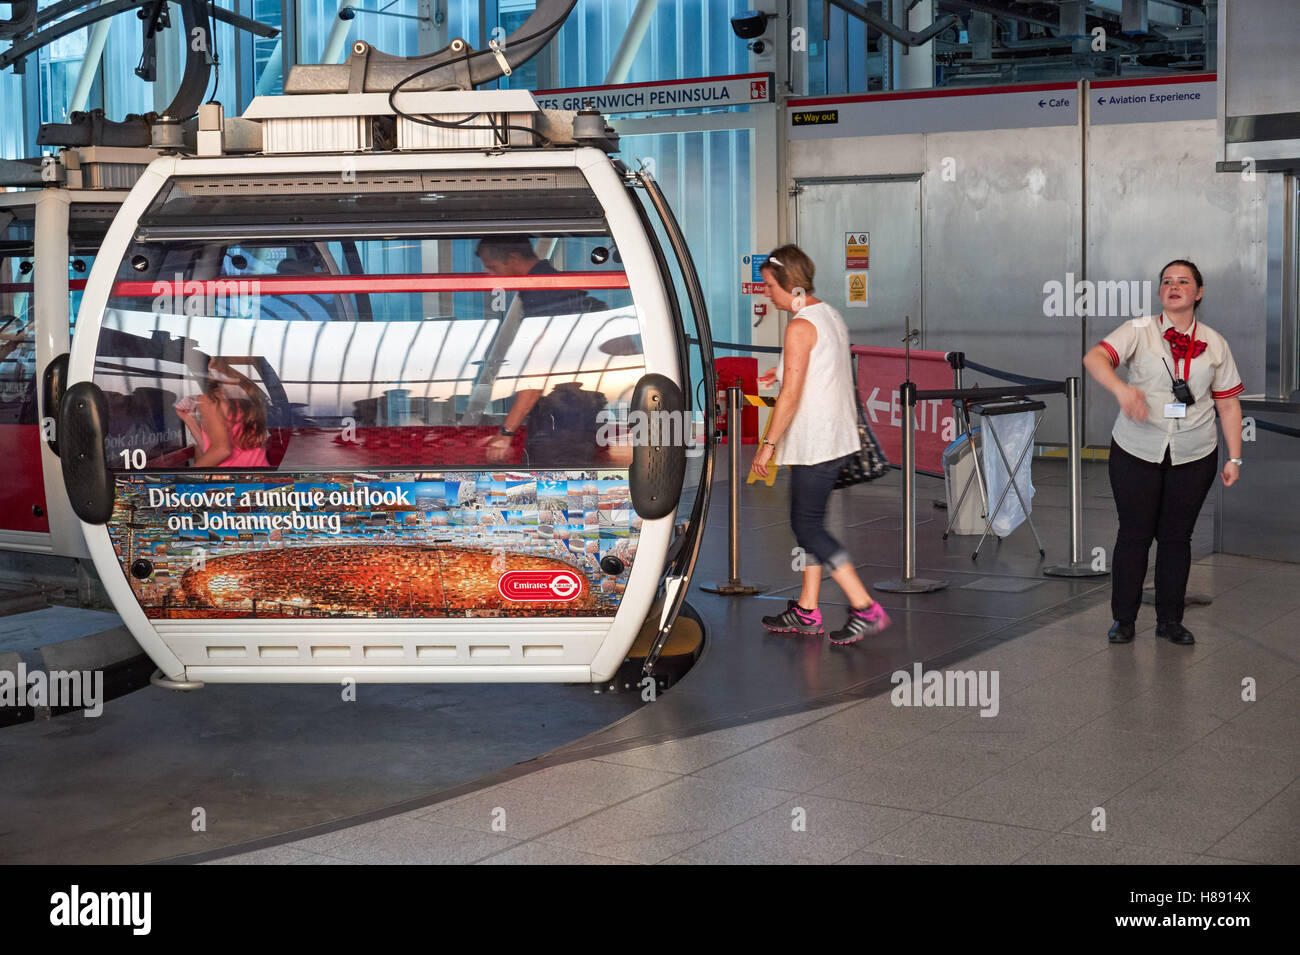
(873, 404)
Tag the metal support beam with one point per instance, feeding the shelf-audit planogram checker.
(1135, 17)
(89, 66)
(896, 33)
(631, 42)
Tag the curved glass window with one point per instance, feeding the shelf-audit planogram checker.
(370, 330)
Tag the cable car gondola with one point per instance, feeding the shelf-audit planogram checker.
(411, 397)
(48, 240)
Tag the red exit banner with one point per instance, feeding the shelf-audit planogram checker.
(880, 373)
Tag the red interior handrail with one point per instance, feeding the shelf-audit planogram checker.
(74, 285)
(316, 284)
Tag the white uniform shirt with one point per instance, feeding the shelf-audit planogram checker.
(1140, 345)
(825, 425)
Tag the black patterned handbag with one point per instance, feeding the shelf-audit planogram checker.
(868, 463)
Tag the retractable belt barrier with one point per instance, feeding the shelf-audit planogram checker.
(908, 582)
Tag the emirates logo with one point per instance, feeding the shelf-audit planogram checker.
(540, 585)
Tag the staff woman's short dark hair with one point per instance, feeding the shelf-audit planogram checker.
(1196, 274)
(791, 268)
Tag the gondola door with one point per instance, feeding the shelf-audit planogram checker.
(377, 428)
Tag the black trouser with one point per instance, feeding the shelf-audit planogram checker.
(1155, 502)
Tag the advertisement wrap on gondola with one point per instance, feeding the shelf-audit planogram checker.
(448, 544)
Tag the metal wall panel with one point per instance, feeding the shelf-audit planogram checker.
(1000, 221)
(1259, 63)
(1153, 196)
(1256, 516)
(890, 211)
(1002, 216)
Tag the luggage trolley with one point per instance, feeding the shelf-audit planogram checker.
(375, 320)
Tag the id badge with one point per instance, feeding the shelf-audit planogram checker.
(1175, 409)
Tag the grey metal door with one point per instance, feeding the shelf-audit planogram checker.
(888, 210)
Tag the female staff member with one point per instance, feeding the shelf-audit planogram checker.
(1163, 451)
(815, 437)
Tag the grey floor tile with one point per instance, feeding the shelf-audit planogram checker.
(1028, 659)
(519, 815)
(839, 739)
(590, 781)
(832, 831)
(330, 840)
(953, 841)
(632, 836)
(880, 858)
(1024, 723)
(1019, 797)
(314, 859)
(1193, 801)
(921, 775)
(760, 731)
(676, 756)
(1214, 860)
(276, 855)
(1087, 766)
(1271, 835)
(777, 766)
(421, 842)
(1067, 849)
(709, 803)
(544, 853)
(883, 716)
(1270, 723)
(1157, 715)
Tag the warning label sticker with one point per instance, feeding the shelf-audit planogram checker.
(856, 290)
(857, 246)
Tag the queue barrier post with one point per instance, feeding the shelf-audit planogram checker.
(909, 583)
(957, 360)
(734, 587)
(1077, 567)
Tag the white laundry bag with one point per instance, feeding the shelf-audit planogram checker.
(1014, 431)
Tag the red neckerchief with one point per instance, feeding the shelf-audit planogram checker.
(1183, 345)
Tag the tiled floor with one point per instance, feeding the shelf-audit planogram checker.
(1140, 754)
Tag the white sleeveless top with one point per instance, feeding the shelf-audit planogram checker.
(825, 425)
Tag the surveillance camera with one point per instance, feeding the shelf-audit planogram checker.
(750, 25)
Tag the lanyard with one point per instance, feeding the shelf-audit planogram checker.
(1191, 347)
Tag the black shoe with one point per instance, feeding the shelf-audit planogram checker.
(796, 620)
(1175, 633)
(1121, 632)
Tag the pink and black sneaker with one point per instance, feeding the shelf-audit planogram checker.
(796, 620)
(861, 623)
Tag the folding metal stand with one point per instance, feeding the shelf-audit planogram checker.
(988, 412)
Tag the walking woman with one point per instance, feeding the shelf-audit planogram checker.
(1164, 447)
(814, 431)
